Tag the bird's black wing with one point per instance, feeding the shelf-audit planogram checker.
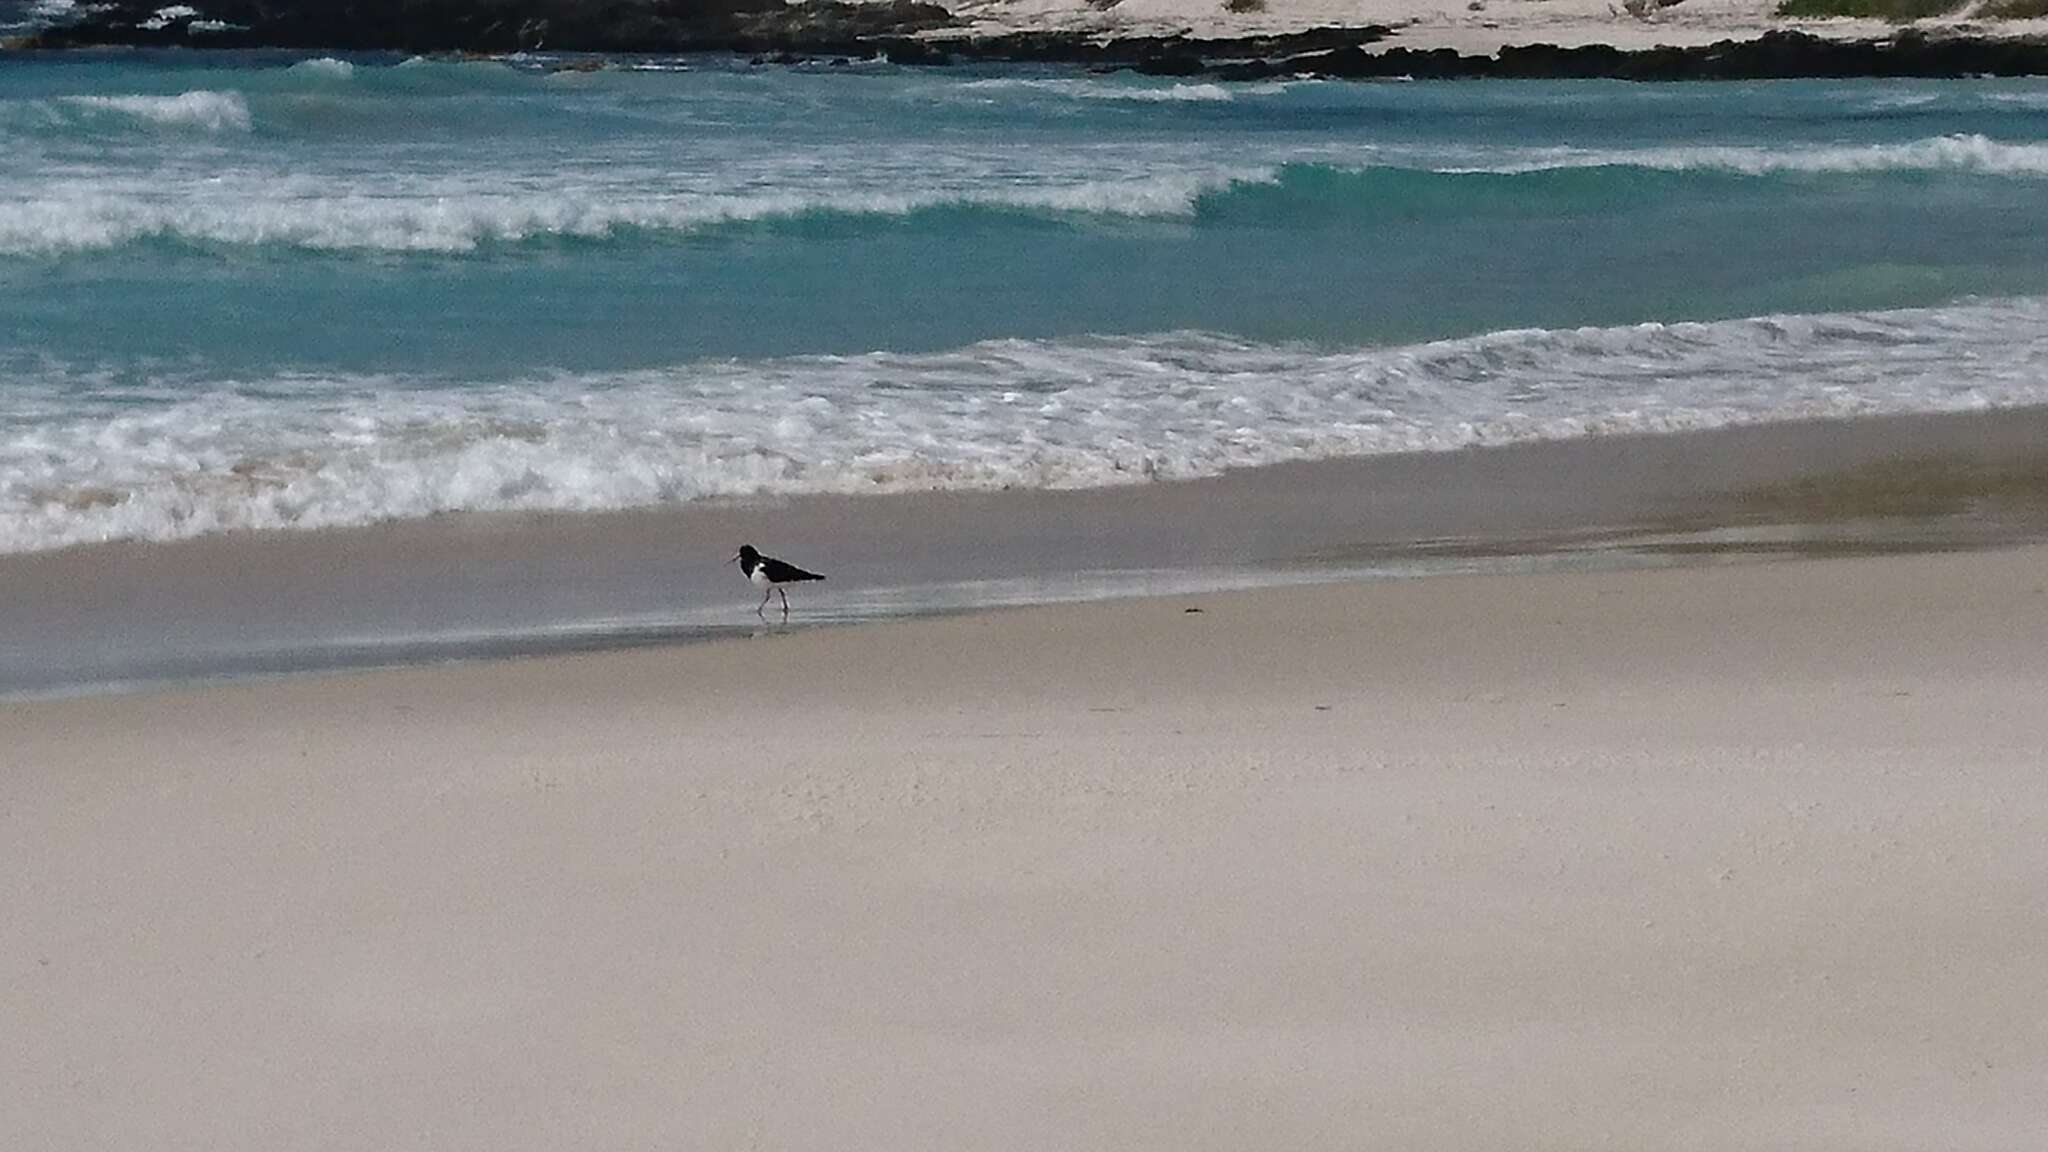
(782, 573)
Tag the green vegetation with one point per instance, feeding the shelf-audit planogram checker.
(2015, 10)
(1896, 11)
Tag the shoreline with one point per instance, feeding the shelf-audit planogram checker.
(1717, 856)
(487, 586)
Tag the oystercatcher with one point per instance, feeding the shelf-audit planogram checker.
(770, 574)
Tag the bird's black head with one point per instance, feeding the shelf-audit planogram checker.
(747, 556)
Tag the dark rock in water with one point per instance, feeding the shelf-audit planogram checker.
(906, 51)
(1547, 61)
(1247, 70)
(1775, 55)
(833, 20)
(1172, 64)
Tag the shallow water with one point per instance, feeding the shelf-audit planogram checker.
(264, 292)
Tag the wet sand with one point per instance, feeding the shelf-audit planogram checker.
(475, 586)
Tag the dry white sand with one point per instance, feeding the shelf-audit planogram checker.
(1720, 858)
(1479, 29)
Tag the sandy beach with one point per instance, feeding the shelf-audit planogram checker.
(1718, 857)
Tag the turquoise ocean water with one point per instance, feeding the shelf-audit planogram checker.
(263, 292)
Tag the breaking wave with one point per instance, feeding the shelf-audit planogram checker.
(325, 68)
(462, 218)
(1091, 89)
(82, 460)
(54, 216)
(199, 109)
(1961, 152)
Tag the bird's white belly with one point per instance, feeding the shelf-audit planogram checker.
(759, 576)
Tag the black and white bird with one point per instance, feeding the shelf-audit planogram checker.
(770, 574)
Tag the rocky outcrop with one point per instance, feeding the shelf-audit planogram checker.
(920, 32)
(1774, 55)
(486, 25)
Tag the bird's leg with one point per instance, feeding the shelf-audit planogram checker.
(785, 606)
(763, 604)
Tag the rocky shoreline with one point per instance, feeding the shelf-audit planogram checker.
(916, 32)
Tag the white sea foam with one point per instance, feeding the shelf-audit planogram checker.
(209, 110)
(325, 67)
(1900, 101)
(1174, 94)
(460, 216)
(1093, 89)
(79, 462)
(2032, 100)
(1963, 152)
(64, 210)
